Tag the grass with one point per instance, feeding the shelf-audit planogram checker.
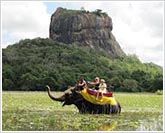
(34, 111)
(140, 101)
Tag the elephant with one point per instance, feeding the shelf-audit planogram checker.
(73, 96)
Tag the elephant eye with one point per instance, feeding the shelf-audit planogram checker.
(68, 94)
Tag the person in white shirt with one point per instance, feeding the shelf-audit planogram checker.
(102, 89)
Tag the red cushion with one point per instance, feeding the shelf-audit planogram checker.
(94, 92)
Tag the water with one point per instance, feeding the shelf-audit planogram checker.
(135, 121)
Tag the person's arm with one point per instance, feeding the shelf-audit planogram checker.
(102, 87)
(92, 83)
(83, 83)
(105, 87)
(80, 84)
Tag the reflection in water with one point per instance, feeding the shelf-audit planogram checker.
(135, 121)
(148, 126)
(151, 125)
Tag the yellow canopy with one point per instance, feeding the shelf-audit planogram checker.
(92, 98)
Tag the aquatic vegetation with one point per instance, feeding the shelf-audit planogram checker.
(34, 111)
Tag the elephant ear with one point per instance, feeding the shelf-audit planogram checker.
(75, 91)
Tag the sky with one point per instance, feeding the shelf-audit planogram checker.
(137, 25)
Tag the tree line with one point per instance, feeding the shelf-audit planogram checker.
(31, 64)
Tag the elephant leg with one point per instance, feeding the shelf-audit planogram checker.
(114, 109)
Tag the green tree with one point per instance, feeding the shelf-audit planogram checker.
(28, 81)
(130, 85)
(8, 84)
(115, 82)
(32, 63)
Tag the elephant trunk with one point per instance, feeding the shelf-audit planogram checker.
(61, 99)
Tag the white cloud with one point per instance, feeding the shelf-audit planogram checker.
(144, 32)
(22, 20)
(137, 25)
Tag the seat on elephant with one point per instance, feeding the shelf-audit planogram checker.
(94, 92)
(90, 96)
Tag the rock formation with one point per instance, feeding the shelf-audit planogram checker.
(84, 28)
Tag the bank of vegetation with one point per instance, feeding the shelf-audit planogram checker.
(31, 64)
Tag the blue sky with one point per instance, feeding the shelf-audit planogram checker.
(137, 25)
(52, 6)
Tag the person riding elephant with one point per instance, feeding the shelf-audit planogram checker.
(95, 83)
(82, 83)
(102, 89)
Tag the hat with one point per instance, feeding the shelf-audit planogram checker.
(102, 80)
(97, 78)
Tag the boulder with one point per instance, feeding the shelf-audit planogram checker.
(85, 29)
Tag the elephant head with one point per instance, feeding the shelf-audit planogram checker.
(70, 96)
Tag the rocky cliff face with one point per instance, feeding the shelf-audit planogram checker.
(83, 28)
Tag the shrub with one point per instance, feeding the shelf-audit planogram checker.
(159, 92)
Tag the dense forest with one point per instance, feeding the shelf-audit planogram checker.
(30, 65)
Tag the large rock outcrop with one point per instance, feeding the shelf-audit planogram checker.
(83, 28)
